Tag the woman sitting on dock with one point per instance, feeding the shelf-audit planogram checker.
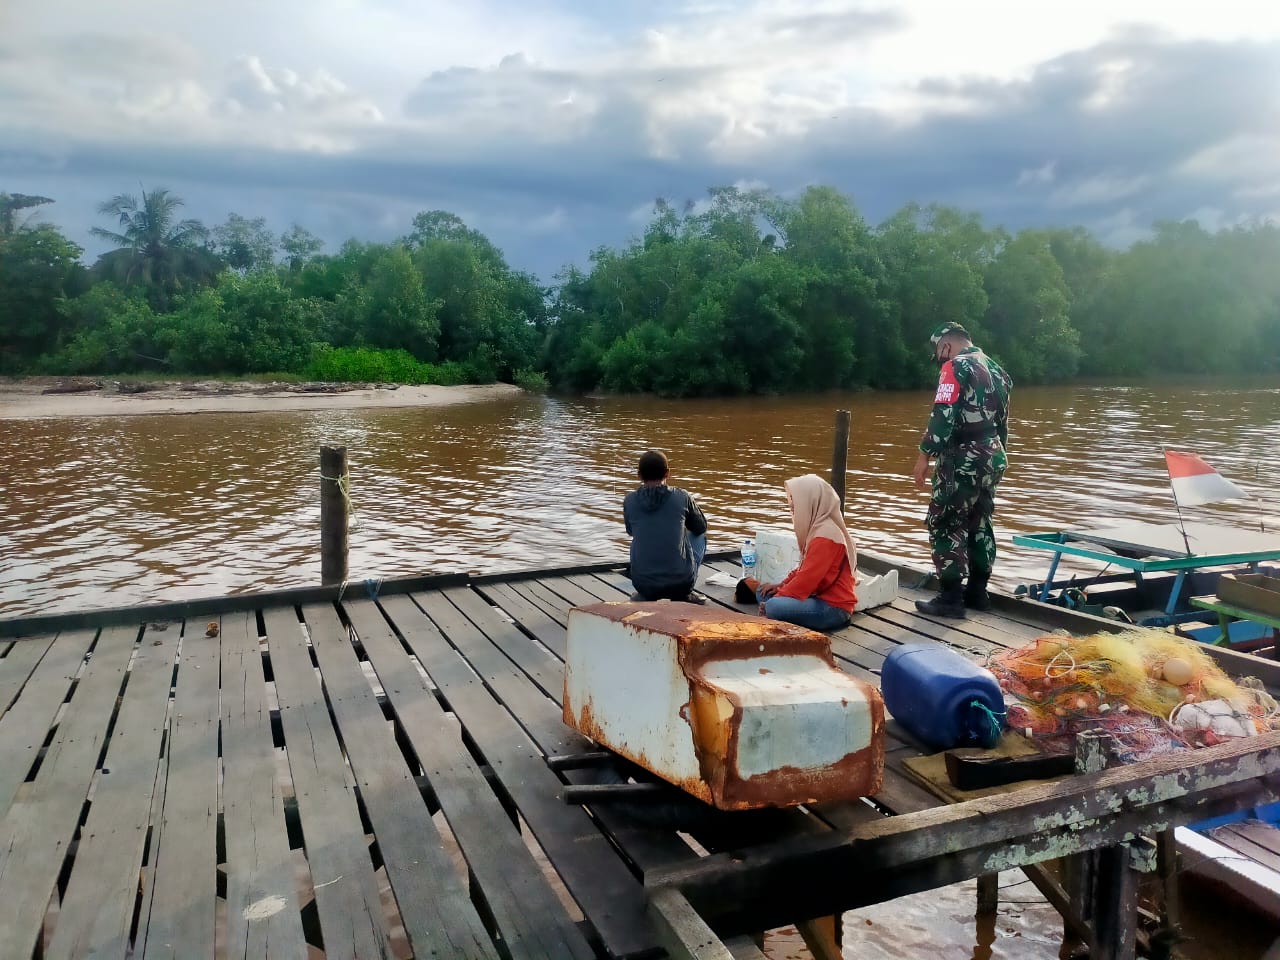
(818, 594)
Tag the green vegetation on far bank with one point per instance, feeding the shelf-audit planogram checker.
(744, 293)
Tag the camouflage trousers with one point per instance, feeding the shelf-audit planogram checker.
(959, 518)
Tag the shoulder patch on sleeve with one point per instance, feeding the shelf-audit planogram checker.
(948, 385)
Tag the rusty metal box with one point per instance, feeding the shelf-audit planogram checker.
(738, 710)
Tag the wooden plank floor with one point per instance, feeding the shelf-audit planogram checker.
(352, 780)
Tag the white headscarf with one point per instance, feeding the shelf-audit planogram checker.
(815, 512)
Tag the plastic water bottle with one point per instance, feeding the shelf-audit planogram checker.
(748, 558)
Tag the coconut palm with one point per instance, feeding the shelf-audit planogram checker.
(156, 249)
(10, 204)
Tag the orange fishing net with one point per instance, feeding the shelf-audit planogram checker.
(1135, 685)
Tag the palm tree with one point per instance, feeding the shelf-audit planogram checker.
(10, 204)
(155, 249)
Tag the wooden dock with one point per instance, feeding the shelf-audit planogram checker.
(351, 772)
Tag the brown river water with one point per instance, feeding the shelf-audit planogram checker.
(113, 511)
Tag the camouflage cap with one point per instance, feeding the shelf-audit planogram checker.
(943, 330)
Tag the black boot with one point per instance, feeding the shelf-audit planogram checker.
(948, 603)
(975, 592)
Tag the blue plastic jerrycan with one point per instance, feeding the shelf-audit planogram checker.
(941, 697)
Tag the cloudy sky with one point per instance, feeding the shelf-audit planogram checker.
(552, 125)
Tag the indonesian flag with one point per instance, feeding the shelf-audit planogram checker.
(1195, 482)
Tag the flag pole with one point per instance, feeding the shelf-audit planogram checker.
(1182, 524)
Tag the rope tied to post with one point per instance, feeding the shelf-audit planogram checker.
(344, 487)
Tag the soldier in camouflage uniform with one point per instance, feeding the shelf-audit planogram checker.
(967, 434)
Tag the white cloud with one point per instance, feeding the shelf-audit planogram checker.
(548, 107)
(1099, 189)
(1037, 175)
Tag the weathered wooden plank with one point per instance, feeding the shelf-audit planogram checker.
(597, 588)
(609, 894)
(438, 915)
(24, 728)
(263, 913)
(529, 615)
(525, 698)
(525, 909)
(184, 892)
(212, 607)
(346, 890)
(1250, 843)
(555, 607)
(570, 591)
(921, 850)
(37, 832)
(16, 668)
(684, 934)
(539, 665)
(97, 908)
(618, 580)
(902, 627)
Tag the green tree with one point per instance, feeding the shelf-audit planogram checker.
(112, 332)
(39, 269)
(299, 245)
(11, 204)
(934, 259)
(155, 249)
(244, 244)
(1026, 318)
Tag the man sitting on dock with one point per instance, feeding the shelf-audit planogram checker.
(968, 431)
(668, 534)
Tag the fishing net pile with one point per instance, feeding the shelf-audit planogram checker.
(1152, 691)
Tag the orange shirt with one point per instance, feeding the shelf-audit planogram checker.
(823, 573)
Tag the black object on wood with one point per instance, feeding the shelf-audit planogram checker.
(969, 772)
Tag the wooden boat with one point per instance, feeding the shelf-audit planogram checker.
(1162, 567)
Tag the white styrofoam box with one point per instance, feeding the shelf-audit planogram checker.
(739, 711)
(777, 554)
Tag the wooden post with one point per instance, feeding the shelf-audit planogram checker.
(988, 894)
(333, 514)
(1115, 905)
(840, 453)
(1081, 874)
(1167, 865)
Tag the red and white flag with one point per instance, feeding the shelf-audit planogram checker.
(1195, 482)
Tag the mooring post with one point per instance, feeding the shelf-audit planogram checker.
(333, 514)
(840, 453)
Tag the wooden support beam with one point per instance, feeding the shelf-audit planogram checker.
(683, 933)
(774, 884)
(820, 935)
(1115, 905)
(988, 894)
(1092, 750)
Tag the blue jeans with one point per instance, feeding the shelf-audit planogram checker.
(698, 547)
(812, 613)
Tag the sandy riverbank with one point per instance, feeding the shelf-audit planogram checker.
(26, 398)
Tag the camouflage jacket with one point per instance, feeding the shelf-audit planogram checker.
(971, 404)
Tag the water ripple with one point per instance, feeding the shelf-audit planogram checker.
(142, 509)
